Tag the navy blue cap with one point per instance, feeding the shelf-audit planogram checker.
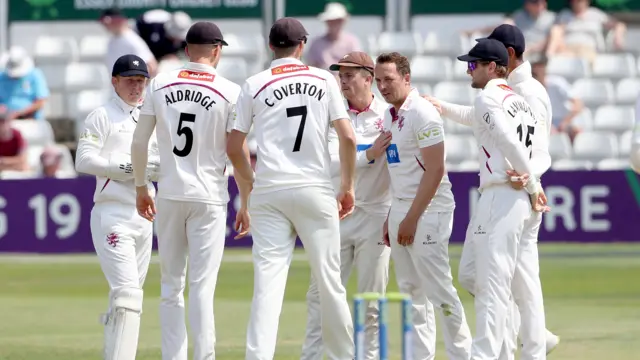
(287, 32)
(510, 36)
(487, 50)
(205, 33)
(130, 65)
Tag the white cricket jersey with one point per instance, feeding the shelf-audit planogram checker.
(416, 125)
(291, 107)
(503, 126)
(108, 134)
(372, 177)
(535, 94)
(194, 109)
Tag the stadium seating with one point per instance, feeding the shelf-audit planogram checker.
(71, 58)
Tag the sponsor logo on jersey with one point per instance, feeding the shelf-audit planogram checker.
(505, 87)
(283, 69)
(193, 75)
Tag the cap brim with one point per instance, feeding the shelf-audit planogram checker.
(468, 58)
(329, 17)
(336, 67)
(134, 73)
(224, 43)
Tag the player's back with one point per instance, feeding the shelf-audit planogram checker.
(194, 108)
(519, 123)
(291, 123)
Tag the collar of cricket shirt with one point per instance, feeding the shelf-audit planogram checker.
(200, 67)
(122, 104)
(495, 82)
(356, 111)
(285, 61)
(406, 104)
(521, 73)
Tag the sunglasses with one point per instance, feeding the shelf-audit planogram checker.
(472, 65)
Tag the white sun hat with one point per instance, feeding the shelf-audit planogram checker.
(18, 62)
(178, 25)
(333, 11)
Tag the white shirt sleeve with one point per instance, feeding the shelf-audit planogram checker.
(461, 114)
(337, 110)
(243, 114)
(490, 115)
(147, 105)
(540, 157)
(426, 125)
(140, 148)
(116, 166)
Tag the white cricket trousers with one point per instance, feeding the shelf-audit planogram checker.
(362, 248)
(192, 232)
(526, 311)
(122, 240)
(424, 272)
(498, 229)
(276, 218)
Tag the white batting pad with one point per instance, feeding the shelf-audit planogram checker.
(122, 325)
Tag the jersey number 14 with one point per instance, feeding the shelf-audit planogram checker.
(527, 139)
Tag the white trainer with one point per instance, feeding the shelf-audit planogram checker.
(552, 341)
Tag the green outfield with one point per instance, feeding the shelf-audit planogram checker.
(50, 305)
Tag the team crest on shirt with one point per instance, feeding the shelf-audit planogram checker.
(400, 122)
(379, 125)
(112, 239)
(283, 69)
(194, 75)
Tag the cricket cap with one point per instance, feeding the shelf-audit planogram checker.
(130, 65)
(510, 36)
(487, 50)
(287, 32)
(205, 33)
(355, 59)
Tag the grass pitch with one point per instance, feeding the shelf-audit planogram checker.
(49, 306)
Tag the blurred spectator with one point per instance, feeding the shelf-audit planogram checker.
(13, 154)
(580, 29)
(23, 87)
(534, 20)
(634, 155)
(565, 107)
(336, 43)
(51, 161)
(124, 40)
(164, 32)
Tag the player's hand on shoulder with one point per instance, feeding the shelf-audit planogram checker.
(435, 102)
(346, 202)
(144, 203)
(380, 145)
(243, 223)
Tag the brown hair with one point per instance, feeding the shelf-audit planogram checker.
(502, 71)
(402, 62)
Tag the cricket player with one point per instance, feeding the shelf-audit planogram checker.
(421, 215)
(292, 107)
(522, 82)
(121, 237)
(501, 124)
(634, 157)
(361, 235)
(192, 109)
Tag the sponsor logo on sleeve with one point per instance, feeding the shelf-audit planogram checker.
(198, 76)
(283, 69)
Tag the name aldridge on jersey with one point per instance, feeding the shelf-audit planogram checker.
(189, 95)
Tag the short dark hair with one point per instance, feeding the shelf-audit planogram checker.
(402, 62)
(284, 52)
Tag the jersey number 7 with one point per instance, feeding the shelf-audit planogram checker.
(298, 111)
(187, 132)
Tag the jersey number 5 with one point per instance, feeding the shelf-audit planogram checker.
(527, 141)
(187, 132)
(302, 112)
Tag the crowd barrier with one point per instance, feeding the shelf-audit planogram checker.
(52, 215)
